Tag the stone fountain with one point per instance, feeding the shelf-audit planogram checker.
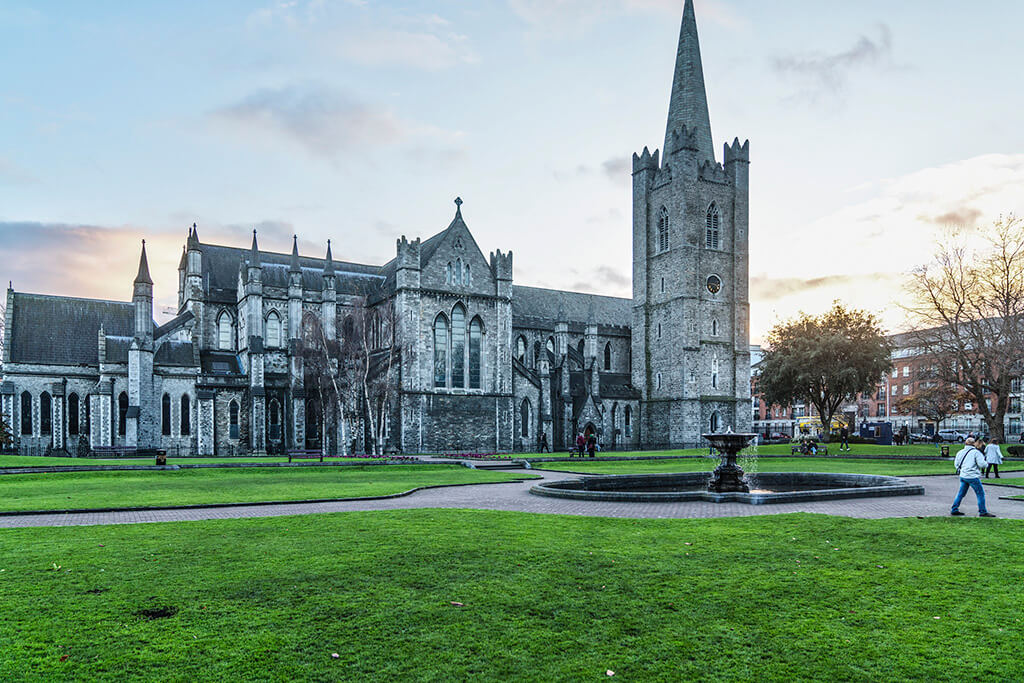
(728, 476)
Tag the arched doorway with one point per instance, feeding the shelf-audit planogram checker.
(589, 429)
(714, 422)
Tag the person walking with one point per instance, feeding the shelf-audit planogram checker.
(591, 445)
(544, 442)
(581, 443)
(993, 457)
(844, 434)
(969, 463)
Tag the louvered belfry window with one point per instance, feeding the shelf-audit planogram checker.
(663, 230)
(712, 234)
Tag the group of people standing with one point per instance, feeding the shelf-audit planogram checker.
(975, 457)
(586, 444)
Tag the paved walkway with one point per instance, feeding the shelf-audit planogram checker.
(939, 492)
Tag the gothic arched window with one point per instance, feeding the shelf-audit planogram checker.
(73, 414)
(185, 426)
(165, 415)
(273, 330)
(233, 420)
(45, 414)
(714, 328)
(466, 279)
(714, 421)
(476, 331)
(711, 234)
(628, 423)
(26, 414)
(440, 351)
(459, 345)
(580, 347)
(275, 420)
(608, 356)
(448, 274)
(224, 332)
(524, 418)
(551, 345)
(458, 271)
(521, 349)
(122, 414)
(663, 230)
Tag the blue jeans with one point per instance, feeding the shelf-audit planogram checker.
(979, 491)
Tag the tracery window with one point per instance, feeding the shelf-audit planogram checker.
(628, 422)
(273, 330)
(521, 349)
(185, 425)
(233, 420)
(458, 346)
(608, 356)
(712, 233)
(524, 418)
(26, 414)
(122, 414)
(45, 414)
(440, 351)
(224, 332)
(165, 415)
(73, 408)
(476, 330)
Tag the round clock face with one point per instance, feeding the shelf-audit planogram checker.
(714, 284)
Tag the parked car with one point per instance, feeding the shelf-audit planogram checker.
(952, 435)
(922, 438)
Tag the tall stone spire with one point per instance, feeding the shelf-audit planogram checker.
(295, 267)
(688, 105)
(143, 276)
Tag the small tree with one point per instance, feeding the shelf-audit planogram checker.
(6, 435)
(967, 311)
(824, 360)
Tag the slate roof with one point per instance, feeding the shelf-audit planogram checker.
(175, 353)
(551, 305)
(63, 330)
(220, 363)
(221, 264)
(117, 348)
(618, 385)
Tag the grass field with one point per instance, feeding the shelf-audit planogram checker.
(136, 488)
(898, 468)
(439, 595)
(48, 461)
(917, 449)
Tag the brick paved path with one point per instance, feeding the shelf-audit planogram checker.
(939, 492)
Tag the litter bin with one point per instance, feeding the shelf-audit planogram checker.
(944, 451)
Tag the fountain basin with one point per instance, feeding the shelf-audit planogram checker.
(766, 488)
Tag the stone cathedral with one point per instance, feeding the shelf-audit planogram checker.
(434, 351)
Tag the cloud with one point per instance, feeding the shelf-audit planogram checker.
(419, 49)
(965, 216)
(325, 121)
(612, 276)
(556, 18)
(618, 168)
(828, 73)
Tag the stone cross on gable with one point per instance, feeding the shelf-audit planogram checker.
(458, 202)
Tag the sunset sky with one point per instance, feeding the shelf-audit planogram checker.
(873, 126)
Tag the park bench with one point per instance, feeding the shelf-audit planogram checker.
(305, 454)
(796, 449)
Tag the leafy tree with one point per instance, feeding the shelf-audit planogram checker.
(824, 360)
(6, 435)
(967, 311)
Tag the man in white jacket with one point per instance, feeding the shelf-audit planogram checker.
(969, 463)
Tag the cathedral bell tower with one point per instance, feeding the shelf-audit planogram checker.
(691, 358)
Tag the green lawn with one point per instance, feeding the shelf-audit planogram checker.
(47, 461)
(441, 595)
(133, 488)
(919, 449)
(853, 465)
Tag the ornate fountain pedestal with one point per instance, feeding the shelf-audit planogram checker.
(728, 476)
